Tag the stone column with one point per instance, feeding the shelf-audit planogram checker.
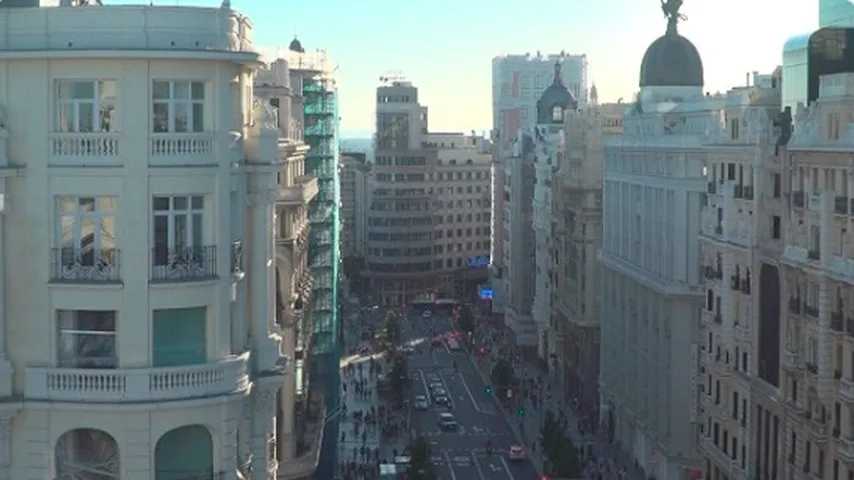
(262, 280)
(6, 445)
(6, 372)
(263, 439)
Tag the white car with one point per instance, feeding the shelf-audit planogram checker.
(516, 452)
(447, 421)
(427, 314)
(421, 402)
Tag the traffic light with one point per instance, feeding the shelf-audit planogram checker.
(521, 411)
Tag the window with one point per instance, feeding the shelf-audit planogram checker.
(775, 227)
(179, 337)
(87, 339)
(179, 106)
(178, 225)
(557, 114)
(86, 230)
(84, 106)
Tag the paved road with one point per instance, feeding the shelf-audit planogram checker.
(459, 455)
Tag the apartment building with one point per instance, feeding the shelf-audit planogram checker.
(577, 217)
(355, 174)
(742, 186)
(811, 293)
(429, 216)
(653, 190)
(518, 81)
(140, 337)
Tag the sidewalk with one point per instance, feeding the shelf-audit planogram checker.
(361, 444)
(527, 428)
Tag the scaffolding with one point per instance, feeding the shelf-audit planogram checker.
(320, 110)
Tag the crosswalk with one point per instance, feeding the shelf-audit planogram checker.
(462, 432)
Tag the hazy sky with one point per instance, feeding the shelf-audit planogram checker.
(445, 47)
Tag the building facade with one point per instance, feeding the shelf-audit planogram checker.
(577, 215)
(741, 180)
(429, 217)
(139, 335)
(316, 98)
(653, 190)
(517, 83)
(355, 172)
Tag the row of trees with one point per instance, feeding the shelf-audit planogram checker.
(560, 452)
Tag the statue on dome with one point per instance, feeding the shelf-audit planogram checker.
(671, 11)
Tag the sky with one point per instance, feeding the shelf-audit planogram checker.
(446, 47)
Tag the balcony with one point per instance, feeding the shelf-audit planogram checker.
(846, 389)
(185, 264)
(93, 266)
(798, 199)
(814, 254)
(795, 306)
(811, 311)
(137, 384)
(84, 147)
(182, 149)
(713, 188)
(840, 205)
(812, 368)
(711, 273)
(719, 230)
(836, 323)
(845, 448)
(301, 192)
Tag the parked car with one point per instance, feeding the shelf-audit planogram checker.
(442, 400)
(438, 392)
(447, 422)
(421, 402)
(435, 385)
(433, 378)
(517, 452)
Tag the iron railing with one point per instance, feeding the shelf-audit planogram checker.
(840, 205)
(183, 264)
(814, 254)
(89, 266)
(237, 256)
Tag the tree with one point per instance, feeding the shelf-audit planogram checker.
(561, 453)
(466, 321)
(420, 462)
(502, 373)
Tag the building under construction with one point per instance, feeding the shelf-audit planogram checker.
(312, 75)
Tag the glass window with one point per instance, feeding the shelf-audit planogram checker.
(87, 339)
(178, 226)
(86, 229)
(85, 106)
(179, 106)
(179, 336)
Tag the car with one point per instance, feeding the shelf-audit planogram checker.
(407, 349)
(433, 378)
(441, 400)
(421, 402)
(427, 314)
(438, 392)
(516, 452)
(436, 342)
(435, 385)
(447, 422)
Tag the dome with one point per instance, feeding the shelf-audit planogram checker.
(671, 61)
(296, 46)
(556, 96)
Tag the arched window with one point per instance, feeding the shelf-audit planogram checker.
(86, 454)
(184, 453)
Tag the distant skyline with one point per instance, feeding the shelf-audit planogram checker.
(446, 48)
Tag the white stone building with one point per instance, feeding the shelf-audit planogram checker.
(517, 83)
(653, 189)
(138, 330)
(737, 230)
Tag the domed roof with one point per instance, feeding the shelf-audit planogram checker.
(296, 46)
(555, 96)
(671, 61)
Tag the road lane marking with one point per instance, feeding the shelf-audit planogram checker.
(468, 390)
(477, 467)
(450, 465)
(506, 468)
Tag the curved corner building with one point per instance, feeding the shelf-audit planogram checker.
(138, 336)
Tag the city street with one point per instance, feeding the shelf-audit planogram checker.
(460, 454)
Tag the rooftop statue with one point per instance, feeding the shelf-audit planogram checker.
(671, 11)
